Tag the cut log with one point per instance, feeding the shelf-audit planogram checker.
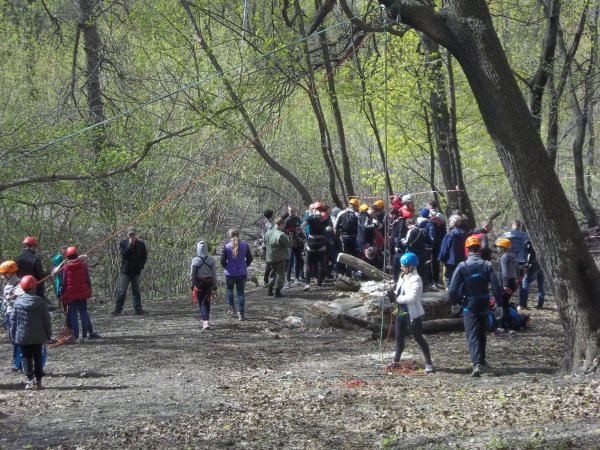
(344, 283)
(367, 269)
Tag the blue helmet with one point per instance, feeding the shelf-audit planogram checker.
(409, 259)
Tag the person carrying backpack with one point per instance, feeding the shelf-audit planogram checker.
(203, 274)
(469, 291)
(346, 228)
(417, 242)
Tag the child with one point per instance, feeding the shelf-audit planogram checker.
(408, 296)
(204, 280)
(75, 290)
(31, 328)
(12, 290)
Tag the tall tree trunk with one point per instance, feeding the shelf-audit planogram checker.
(465, 28)
(256, 141)
(446, 140)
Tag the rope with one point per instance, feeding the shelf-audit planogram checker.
(142, 105)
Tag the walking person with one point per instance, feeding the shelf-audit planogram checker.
(203, 274)
(30, 328)
(235, 259)
(277, 256)
(133, 260)
(408, 297)
(469, 291)
(75, 290)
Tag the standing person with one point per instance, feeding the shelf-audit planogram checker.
(482, 233)
(235, 259)
(315, 249)
(291, 227)
(408, 297)
(533, 272)
(417, 241)
(346, 227)
(57, 261)
(31, 328)
(452, 247)
(366, 228)
(75, 290)
(277, 255)
(30, 263)
(508, 267)
(517, 240)
(469, 291)
(440, 221)
(408, 208)
(12, 290)
(266, 225)
(203, 274)
(133, 260)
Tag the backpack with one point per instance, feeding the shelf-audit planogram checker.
(202, 283)
(514, 320)
(348, 223)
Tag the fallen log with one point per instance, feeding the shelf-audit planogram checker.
(367, 269)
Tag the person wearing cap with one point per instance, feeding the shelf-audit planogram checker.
(469, 291)
(30, 263)
(31, 327)
(133, 260)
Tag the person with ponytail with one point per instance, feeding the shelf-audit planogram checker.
(235, 259)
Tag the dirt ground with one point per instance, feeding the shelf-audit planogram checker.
(159, 381)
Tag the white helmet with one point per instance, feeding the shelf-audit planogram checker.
(408, 198)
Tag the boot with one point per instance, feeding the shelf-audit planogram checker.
(278, 293)
(270, 293)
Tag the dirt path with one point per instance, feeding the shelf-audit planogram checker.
(158, 381)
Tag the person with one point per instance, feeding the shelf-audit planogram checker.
(417, 241)
(346, 227)
(203, 273)
(367, 224)
(429, 228)
(30, 263)
(394, 234)
(508, 270)
(277, 243)
(439, 220)
(533, 272)
(517, 240)
(291, 227)
(451, 249)
(482, 233)
(379, 208)
(57, 261)
(408, 297)
(469, 291)
(315, 250)
(30, 328)
(373, 256)
(133, 260)
(12, 290)
(408, 208)
(235, 260)
(266, 225)
(75, 290)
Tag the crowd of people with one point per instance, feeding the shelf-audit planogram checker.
(422, 250)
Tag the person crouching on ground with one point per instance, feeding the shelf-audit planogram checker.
(30, 328)
(408, 297)
(235, 259)
(75, 290)
(204, 281)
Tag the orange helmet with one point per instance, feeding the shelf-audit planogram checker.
(471, 241)
(504, 243)
(28, 282)
(354, 201)
(363, 208)
(379, 203)
(8, 267)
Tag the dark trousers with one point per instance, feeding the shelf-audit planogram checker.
(435, 265)
(239, 283)
(31, 355)
(349, 248)
(122, 287)
(268, 270)
(297, 262)
(203, 300)
(277, 276)
(74, 307)
(476, 334)
(314, 265)
(450, 268)
(416, 327)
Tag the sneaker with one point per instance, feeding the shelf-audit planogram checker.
(306, 287)
(433, 288)
(286, 285)
(539, 307)
(205, 325)
(297, 282)
(428, 368)
(231, 311)
(31, 385)
(486, 368)
(115, 312)
(476, 370)
(392, 364)
(241, 316)
(95, 335)
(38, 382)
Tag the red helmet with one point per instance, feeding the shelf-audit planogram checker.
(28, 282)
(325, 215)
(318, 205)
(30, 240)
(70, 251)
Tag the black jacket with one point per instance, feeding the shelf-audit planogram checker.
(133, 257)
(30, 263)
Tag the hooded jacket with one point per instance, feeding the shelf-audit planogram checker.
(75, 282)
(30, 321)
(409, 292)
(203, 265)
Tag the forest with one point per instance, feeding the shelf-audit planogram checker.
(187, 118)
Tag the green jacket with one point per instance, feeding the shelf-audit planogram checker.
(277, 244)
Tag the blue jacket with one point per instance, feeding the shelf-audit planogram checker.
(30, 321)
(452, 250)
(517, 241)
(471, 280)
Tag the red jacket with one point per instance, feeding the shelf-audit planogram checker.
(75, 283)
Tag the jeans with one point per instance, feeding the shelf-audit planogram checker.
(297, 261)
(123, 285)
(476, 334)
(239, 282)
(31, 356)
(416, 327)
(203, 297)
(81, 307)
(534, 273)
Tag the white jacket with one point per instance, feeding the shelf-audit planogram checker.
(409, 291)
